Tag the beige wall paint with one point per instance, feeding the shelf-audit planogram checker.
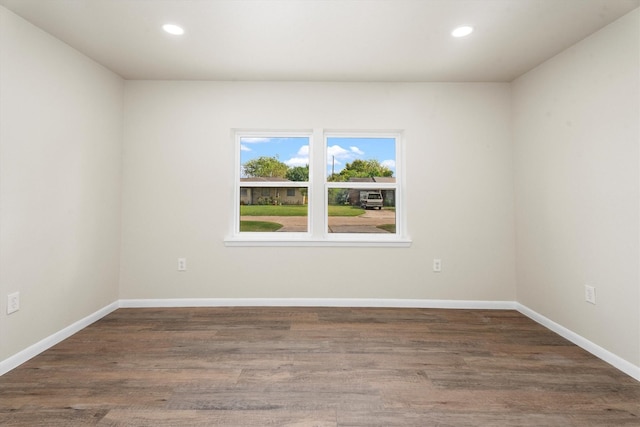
(60, 160)
(576, 128)
(178, 191)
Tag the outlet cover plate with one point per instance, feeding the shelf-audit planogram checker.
(590, 294)
(13, 302)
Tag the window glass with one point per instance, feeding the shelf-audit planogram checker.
(360, 210)
(360, 157)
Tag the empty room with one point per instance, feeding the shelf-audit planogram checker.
(320, 212)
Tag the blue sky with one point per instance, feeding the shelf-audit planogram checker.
(340, 150)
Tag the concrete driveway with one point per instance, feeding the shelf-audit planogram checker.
(365, 223)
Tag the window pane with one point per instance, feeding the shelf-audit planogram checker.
(269, 209)
(359, 157)
(361, 210)
(275, 158)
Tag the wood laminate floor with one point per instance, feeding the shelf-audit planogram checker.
(317, 367)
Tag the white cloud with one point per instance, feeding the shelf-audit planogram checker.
(339, 155)
(302, 159)
(297, 161)
(337, 151)
(251, 140)
(244, 148)
(391, 164)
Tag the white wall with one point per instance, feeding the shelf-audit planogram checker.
(576, 135)
(60, 169)
(178, 191)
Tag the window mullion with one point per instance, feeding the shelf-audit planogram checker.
(317, 191)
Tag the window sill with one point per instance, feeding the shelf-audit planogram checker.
(370, 243)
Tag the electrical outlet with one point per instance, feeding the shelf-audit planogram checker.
(437, 265)
(182, 264)
(13, 302)
(590, 294)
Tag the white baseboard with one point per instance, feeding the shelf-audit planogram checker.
(317, 302)
(619, 363)
(605, 355)
(48, 342)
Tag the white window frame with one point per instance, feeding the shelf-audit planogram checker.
(317, 233)
(265, 237)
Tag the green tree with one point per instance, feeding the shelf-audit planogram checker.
(362, 169)
(264, 166)
(298, 173)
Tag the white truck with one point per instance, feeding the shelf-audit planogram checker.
(371, 200)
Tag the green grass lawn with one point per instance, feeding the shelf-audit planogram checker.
(296, 210)
(269, 210)
(259, 226)
(391, 228)
(345, 210)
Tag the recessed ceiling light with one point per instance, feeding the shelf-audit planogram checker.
(173, 29)
(462, 31)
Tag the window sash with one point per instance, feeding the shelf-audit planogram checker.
(239, 184)
(395, 186)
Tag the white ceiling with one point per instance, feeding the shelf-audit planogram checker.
(321, 40)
